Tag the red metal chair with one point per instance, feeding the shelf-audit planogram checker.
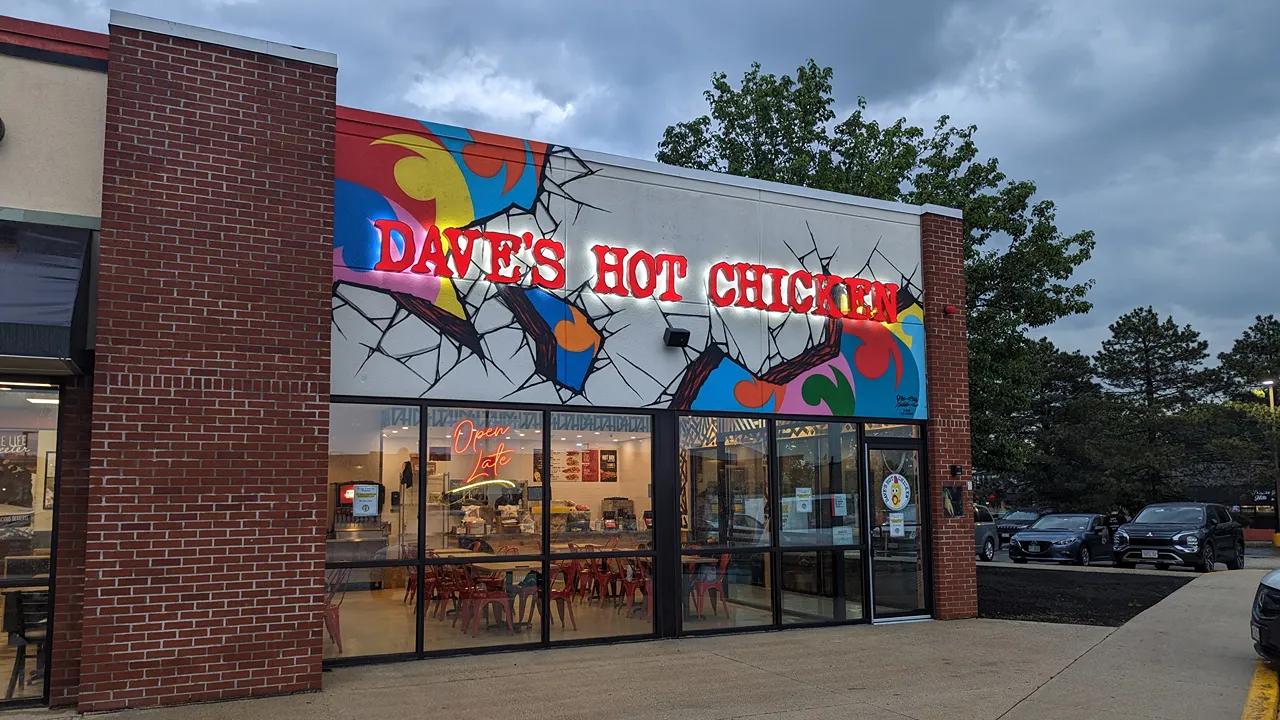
(702, 589)
(563, 596)
(334, 593)
(638, 582)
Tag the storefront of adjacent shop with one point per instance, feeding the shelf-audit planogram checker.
(287, 385)
(623, 400)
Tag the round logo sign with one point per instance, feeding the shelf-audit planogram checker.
(895, 492)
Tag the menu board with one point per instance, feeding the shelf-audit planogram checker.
(583, 465)
(590, 465)
(608, 466)
(566, 466)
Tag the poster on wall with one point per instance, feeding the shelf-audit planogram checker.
(590, 466)
(608, 466)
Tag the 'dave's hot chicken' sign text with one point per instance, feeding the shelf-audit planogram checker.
(540, 262)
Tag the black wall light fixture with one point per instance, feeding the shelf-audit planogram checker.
(675, 337)
(1, 129)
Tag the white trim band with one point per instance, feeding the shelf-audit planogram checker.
(217, 37)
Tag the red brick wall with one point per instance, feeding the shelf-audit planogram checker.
(74, 425)
(205, 543)
(955, 585)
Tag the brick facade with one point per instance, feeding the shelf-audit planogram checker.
(955, 582)
(70, 510)
(204, 550)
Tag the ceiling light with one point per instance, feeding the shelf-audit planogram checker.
(579, 444)
(43, 401)
(28, 384)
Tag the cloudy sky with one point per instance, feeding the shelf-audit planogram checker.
(1155, 123)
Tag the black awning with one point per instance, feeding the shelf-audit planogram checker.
(44, 298)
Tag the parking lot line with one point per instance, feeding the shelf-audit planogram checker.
(1263, 694)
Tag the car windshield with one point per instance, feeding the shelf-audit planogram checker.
(1062, 522)
(1021, 515)
(1170, 515)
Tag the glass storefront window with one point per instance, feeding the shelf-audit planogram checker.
(484, 481)
(886, 430)
(726, 590)
(724, 478)
(808, 587)
(373, 474)
(482, 603)
(28, 484)
(818, 482)
(601, 483)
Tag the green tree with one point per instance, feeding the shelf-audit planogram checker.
(1068, 431)
(1155, 365)
(1019, 266)
(1253, 357)
(1155, 369)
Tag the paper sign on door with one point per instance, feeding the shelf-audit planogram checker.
(842, 536)
(804, 500)
(839, 505)
(896, 526)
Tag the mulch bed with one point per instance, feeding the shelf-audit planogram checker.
(1077, 598)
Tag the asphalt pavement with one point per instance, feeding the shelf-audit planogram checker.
(1256, 557)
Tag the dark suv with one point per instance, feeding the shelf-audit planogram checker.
(1018, 519)
(1196, 534)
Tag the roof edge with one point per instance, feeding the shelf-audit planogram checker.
(225, 39)
(52, 38)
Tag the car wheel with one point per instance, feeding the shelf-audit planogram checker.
(1084, 556)
(988, 550)
(1162, 566)
(1237, 562)
(1210, 559)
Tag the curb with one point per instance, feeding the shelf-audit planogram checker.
(1264, 692)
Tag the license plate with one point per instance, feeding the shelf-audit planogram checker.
(1150, 554)
(1033, 547)
(1254, 633)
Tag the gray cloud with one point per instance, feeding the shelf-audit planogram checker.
(1155, 123)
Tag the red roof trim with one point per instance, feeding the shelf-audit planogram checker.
(53, 38)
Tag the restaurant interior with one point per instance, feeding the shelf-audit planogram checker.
(28, 484)
(462, 559)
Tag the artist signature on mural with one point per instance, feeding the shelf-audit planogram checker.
(907, 403)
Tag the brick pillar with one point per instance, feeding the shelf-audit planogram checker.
(72, 504)
(955, 584)
(204, 568)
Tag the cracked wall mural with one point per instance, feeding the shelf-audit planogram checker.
(470, 266)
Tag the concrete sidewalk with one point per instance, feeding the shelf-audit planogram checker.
(1187, 657)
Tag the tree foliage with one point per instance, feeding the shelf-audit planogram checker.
(1019, 267)
(1254, 357)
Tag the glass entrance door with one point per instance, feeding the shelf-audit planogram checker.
(896, 507)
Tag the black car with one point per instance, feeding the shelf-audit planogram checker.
(1018, 519)
(1196, 534)
(1264, 624)
(1064, 537)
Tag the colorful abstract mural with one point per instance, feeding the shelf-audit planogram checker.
(462, 271)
